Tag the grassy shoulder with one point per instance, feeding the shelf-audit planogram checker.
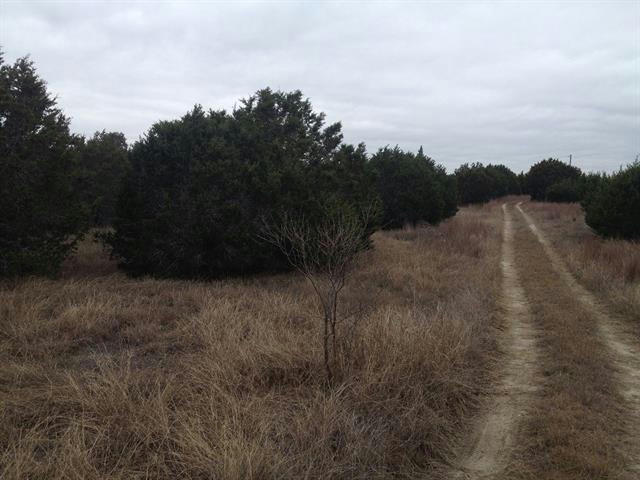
(102, 376)
(609, 268)
(573, 428)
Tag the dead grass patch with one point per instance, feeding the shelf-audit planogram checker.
(102, 376)
(573, 430)
(609, 268)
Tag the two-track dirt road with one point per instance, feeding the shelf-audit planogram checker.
(568, 403)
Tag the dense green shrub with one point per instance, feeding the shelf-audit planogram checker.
(412, 188)
(41, 216)
(613, 208)
(103, 162)
(200, 187)
(549, 172)
(567, 190)
(479, 184)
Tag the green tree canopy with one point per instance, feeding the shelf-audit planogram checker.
(103, 163)
(613, 207)
(546, 173)
(478, 183)
(40, 212)
(412, 188)
(201, 186)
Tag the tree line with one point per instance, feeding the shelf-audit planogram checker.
(191, 197)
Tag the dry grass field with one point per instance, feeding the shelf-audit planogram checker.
(609, 268)
(106, 377)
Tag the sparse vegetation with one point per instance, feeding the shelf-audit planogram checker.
(324, 253)
(103, 376)
(573, 429)
(608, 267)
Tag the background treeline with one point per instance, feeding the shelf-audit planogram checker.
(191, 197)
(478, 183)
(611, 202)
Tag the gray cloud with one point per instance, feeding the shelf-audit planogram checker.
(508, 82)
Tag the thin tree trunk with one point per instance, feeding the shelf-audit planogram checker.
(327, 365)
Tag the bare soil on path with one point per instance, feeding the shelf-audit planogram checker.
(488, 452)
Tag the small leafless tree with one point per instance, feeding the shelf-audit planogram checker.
(324, 252)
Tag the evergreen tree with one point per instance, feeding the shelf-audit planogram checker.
(411, 187)
(613, 208)
(41, 217)
(201, 187)
(546, 173)
(103, 163)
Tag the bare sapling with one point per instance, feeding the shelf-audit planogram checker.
(325, 253)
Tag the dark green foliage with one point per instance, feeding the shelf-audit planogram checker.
(504, 181)
(613, 207)
(103, 163)
(549, 172)
(41, 216)
(479, 184)
(412, 188)
(567, 190)
(474, 184)
(200, 187)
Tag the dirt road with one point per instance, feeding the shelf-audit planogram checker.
(568, 403)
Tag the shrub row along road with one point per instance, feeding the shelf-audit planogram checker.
(568, 403)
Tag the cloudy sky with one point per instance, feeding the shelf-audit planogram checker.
(502, 82)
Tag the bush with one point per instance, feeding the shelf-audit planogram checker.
(546, 173)
(613, 209)
(41, 216)
(479, 184)
(200, 186)
(567, 190)
(412, 188)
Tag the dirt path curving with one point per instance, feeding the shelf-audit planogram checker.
(623, 347)
(488, 451)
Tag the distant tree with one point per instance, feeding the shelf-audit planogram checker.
(504, 181)
(478, 183)
(546, 173)
(613, 208)
(567, 190)
(41, 216)
(199, 186)
(475, 185)
(103, 164)
(411, 187)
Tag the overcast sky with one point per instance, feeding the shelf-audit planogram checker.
(501, 82)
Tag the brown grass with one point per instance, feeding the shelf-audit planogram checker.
(574, 428)
(609, 268)
(102, 376)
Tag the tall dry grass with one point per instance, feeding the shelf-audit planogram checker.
(610, 268)
(105, 377)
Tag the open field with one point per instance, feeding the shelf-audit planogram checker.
(102, 376)
(501, 344)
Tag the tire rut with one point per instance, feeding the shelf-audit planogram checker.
(623, 347)
(494, 434)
